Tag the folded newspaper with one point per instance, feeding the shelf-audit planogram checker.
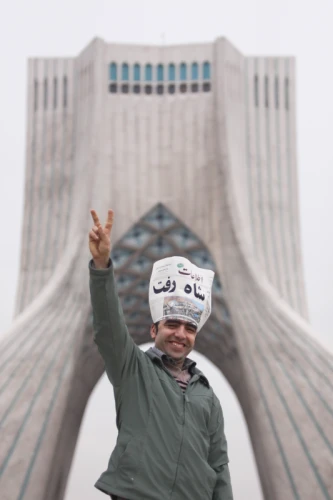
(180, 290)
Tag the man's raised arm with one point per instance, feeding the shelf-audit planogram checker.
(110, 332)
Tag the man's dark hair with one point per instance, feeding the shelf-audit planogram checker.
(156, 325)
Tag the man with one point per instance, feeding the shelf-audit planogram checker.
(171, 442)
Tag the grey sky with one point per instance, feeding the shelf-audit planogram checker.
(60, 28)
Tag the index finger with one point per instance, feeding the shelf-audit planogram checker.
(95, 218)
(109, 222)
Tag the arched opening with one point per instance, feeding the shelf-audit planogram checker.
(157, 235)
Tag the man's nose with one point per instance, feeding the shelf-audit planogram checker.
(181, 332)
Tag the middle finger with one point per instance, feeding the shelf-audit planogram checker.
(95, 217)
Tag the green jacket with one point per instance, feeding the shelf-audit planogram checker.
(170, 445)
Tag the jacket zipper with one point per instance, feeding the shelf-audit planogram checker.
(185, 400)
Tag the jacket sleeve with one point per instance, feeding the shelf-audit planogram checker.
(114, 343)
(218, 454)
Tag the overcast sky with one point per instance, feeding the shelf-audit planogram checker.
(262, 27)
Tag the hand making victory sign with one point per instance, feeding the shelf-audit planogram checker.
(100, 240)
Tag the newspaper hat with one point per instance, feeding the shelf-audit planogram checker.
(180, 290)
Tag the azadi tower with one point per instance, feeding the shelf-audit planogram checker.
(194, 147)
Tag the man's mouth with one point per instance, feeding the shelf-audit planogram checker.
(177, 344)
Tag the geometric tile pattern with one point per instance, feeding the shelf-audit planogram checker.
(157, 235)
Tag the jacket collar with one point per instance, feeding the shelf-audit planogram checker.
(156, 355)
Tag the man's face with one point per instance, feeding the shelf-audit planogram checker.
(175, 338)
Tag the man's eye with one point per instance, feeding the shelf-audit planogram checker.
(191, 328)
(172, 325)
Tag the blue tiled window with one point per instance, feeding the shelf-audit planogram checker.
(195, 71)
(113, 72)
(148, 73)
(183, 72)
(206, 70)
(137, 73)
(172, 72)
(160, 73)
(125, 72)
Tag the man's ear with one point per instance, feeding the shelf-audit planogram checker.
(153, 331)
